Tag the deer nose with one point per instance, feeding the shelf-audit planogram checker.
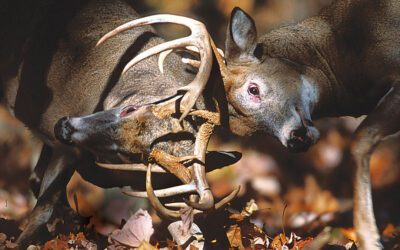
(63, 131)
(299, 140)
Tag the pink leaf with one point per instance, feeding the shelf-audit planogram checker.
(139, 227)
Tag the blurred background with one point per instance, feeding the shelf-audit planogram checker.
(316, 186)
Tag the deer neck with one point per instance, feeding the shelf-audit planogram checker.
(312, 43)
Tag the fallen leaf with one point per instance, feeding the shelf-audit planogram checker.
(138, 228)
(33, 247)
(235, 237)
(187, 219)
(349, 233)
(279, 241)
(3, 238)
(389, 230)
(145, 245)
(250, 208)
(195, 234)
(57, 243)
(303, 243)
(11, 245)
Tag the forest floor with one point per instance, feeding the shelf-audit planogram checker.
(287, 201)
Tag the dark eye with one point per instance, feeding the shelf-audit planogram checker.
(253, 90)
(258, 51)
(127, 110)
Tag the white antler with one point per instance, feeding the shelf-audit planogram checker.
(199, 38)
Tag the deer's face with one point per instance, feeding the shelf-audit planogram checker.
(128, 134)
(122, 134)
(271, 95)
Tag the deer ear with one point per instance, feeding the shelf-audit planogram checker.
(241, 37)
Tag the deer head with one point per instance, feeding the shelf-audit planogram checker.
(271, 95)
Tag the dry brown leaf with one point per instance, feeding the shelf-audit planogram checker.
(57, 243)
(3, 238)
(146, 246)
(389, 230)
(349, 233)
(11, 245)
(303, 243)
(235, 237)
(250, 208)
(279, 241)
(138, 228)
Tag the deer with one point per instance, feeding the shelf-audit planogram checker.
(342, 62)
(309, 55)
(55, 68)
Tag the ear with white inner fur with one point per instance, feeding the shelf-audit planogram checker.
(241, 37)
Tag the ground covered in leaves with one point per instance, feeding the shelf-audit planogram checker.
(287, 201)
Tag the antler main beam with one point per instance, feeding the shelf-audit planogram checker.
(194, 177)
(199, 38)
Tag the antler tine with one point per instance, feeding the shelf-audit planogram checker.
(197, 86)
(206, 201)
(166, 192)
(155, 202)
(217, 206)
(161, 18)
(199, 38)
(221, 62)
(227, 198)
(181, 42)
(130, 167)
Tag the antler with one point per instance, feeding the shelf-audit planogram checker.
(198, 38)
(130, 167)
(194, 178)
(198, 42)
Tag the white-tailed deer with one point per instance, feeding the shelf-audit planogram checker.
(343, 62)
(50, 68)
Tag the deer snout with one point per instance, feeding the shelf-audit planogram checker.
(63, 131)
(300, 139)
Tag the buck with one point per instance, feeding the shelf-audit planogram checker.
(343, 62)
(51, 68)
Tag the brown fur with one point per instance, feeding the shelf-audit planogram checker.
(345, 61)
(51, 68)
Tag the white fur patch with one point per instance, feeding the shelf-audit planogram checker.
(79, 137)
(75, 122)
(309, 94)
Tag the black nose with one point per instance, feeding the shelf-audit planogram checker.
(299, 140)
(63, 131)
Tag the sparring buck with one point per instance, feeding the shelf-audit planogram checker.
(343, 62)
(51, 68)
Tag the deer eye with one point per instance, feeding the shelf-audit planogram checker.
(253, 90)
(258, 51)
(127, 110)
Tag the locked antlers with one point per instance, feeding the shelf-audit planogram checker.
(193, 177)
(198, 38)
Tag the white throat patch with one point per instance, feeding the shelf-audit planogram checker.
(309, 94)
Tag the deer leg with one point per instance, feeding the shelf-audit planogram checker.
(35, 180)
(383, 121)
(52, 195)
